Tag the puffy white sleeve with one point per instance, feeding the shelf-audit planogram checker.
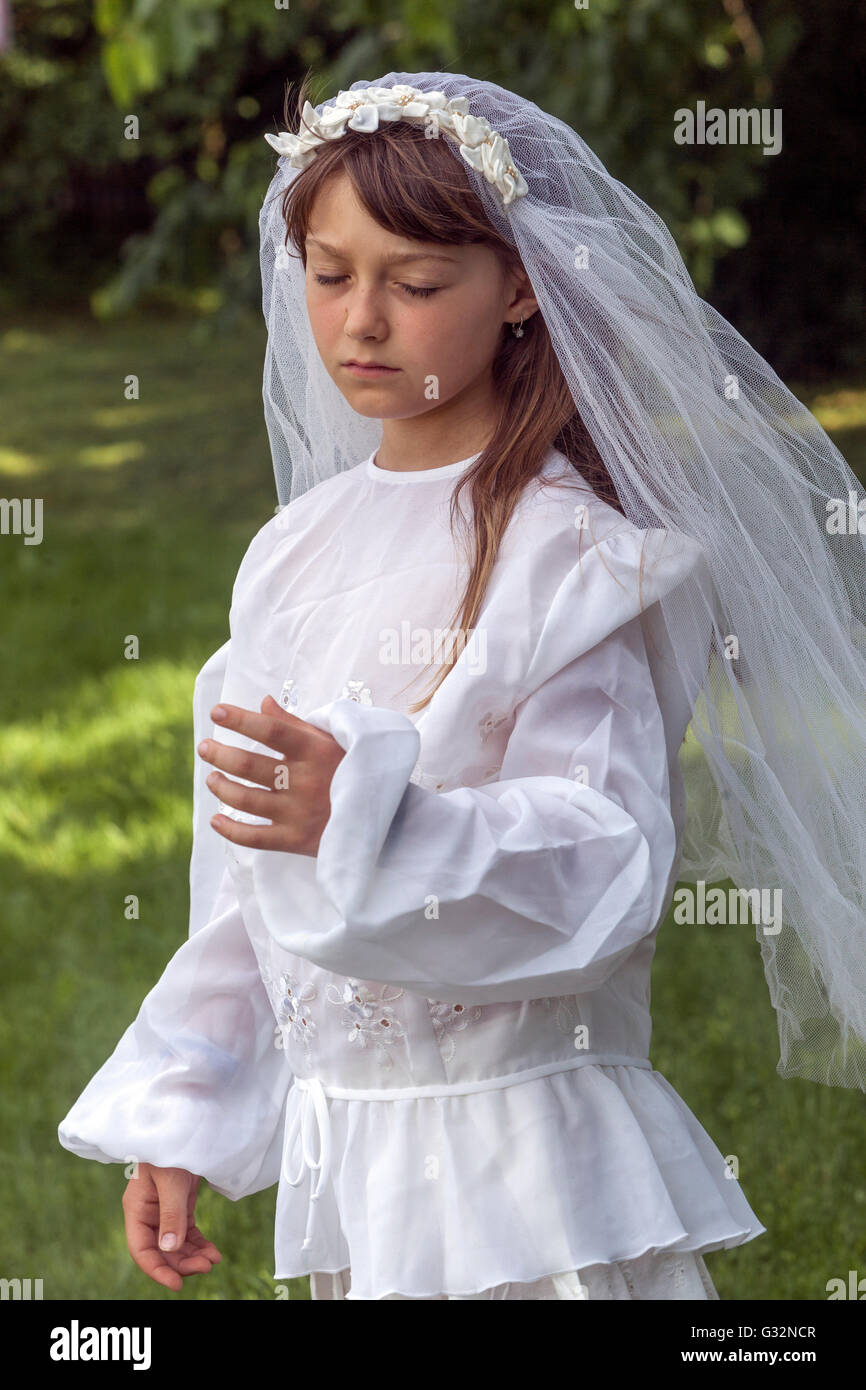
(539, 883)
(207, 861)
(195, 1081)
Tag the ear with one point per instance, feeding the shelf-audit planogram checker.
(523, 303)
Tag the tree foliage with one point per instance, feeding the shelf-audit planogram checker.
(133, 164)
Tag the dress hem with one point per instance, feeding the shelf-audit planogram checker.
(672, 1248)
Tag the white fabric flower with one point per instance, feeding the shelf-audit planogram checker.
(364, 109)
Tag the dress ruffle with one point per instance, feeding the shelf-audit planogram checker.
(455, 1194)
(648, 1279)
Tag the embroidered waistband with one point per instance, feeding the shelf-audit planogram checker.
(315, 1093)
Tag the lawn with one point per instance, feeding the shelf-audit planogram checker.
(149, 505)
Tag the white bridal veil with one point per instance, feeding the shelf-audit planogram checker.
(698, 435)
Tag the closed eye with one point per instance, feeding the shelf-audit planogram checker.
(411, 289)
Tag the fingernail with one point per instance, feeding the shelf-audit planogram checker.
(218, 713)
(204, 747)
(168, 1241)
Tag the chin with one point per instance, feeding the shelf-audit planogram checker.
(366, 408)
(366, 405)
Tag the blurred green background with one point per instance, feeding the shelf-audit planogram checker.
(140, 256)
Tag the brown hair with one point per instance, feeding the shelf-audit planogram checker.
(414, 187)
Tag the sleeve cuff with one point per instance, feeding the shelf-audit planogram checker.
(382, 748)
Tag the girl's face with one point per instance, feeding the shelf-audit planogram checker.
(430, 312)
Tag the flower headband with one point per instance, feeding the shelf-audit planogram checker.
(363, 109)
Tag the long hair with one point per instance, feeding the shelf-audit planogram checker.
(414, 188)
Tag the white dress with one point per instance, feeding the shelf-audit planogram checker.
(434, 1036)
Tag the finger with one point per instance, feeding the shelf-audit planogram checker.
(192, 1263)
(249, 799)
(284, 732)
(203, 1246)
(169, 1269)
(251, 767)
(172, 1187)
(141, 1241)
(254, 836)
(271, 706)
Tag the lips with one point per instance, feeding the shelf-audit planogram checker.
(369, 371)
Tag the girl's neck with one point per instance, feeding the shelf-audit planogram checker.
(427, 441)
(414, 455)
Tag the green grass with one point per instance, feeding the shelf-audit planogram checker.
(148, 508)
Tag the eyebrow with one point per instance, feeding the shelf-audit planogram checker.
(396, 257)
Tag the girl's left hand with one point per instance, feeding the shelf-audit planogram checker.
(297, 800)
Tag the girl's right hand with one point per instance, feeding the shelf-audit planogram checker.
(157, 1203)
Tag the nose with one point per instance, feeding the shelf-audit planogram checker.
(364, 316)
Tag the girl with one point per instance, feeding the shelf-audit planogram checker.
(416, 988)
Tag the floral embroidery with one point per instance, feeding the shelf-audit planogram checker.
(561, 1009)
(448, 1019)
(288, 695)
(674, 1268)
(358, 691)
(370, 1020)
(293, 1018)
(489, 722)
